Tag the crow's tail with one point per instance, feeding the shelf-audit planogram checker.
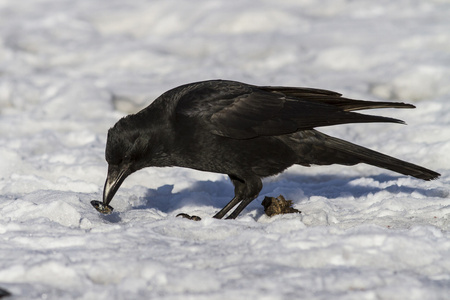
(326, 150)
(381, 160)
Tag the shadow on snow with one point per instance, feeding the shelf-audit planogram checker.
(295, 187)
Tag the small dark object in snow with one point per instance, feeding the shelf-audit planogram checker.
(186, 216)
(4, 293)
(102, 208)
(277, 206)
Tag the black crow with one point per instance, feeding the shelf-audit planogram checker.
(247, 132)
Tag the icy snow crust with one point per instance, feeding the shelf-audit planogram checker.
(70, 69)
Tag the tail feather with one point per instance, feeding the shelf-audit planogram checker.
(318, 148)
(374, 158)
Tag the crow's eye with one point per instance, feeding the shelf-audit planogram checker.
(113, 158)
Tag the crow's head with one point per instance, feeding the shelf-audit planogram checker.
(127, 150)
(135, 142)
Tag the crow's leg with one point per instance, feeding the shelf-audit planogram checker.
(227, 208)
(245, 192)
(240, 208)
(239, 188)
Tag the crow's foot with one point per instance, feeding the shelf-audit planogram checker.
(186, 216)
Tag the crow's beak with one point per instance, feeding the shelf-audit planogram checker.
(116, 175)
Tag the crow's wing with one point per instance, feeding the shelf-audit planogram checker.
(242, 111)
(332, 98)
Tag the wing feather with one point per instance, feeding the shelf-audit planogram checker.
(242, 111)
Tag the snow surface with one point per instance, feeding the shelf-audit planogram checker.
(70, 69)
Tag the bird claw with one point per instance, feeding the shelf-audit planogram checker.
(186, 216)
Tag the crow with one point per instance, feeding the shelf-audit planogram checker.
(245, 131)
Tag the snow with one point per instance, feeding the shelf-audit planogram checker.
(70, 69)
